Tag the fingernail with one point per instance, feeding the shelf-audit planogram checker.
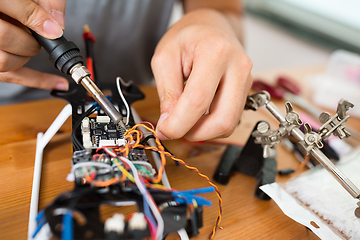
(62, 86)
(161, 136)
(60, 17)
(52, 29)
(161, 119)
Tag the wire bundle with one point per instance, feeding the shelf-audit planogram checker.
(160, 149)
(133, 139)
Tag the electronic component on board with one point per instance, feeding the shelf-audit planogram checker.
(81, 156)
(100, 131)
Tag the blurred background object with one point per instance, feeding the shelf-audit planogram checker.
(336, 22)
(278, 34)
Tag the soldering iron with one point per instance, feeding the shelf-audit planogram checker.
(66, 57)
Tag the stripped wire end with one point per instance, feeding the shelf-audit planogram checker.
(87, 35)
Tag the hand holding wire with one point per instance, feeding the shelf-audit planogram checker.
(203, 50)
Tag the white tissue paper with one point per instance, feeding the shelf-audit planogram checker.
(327, 203)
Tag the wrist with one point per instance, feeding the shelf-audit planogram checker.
(229, 21)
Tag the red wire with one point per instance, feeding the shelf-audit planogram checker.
(90, 67)
(89, 35)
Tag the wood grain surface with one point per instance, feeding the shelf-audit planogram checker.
(244, 216)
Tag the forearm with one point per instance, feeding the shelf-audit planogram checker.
(232, 10)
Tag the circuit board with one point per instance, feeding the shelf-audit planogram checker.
(100, 131)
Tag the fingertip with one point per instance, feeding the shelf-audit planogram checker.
(62, 86)
(52, 29)
(60, 18)
(161, 136)
(162, 117)
(54, 82)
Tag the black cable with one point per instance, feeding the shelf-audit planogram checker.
(74, 140)
(147, 138)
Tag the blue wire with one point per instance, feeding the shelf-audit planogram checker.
(40, 222)
(147, 212)
(146, 207)
(40, 215)
(38, 228)
(67, 231)
(98, 107)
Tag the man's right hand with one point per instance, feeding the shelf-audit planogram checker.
(17, 45)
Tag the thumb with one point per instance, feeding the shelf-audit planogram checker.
(168, 99)
(56, 8)
(31, 78)
(33, 16)
(170, 84)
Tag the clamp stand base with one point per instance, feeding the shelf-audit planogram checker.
(252, 163)
(249, 161)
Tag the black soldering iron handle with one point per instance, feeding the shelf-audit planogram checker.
(63, 54)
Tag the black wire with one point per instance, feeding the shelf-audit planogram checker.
(146, 139)
(74, 140)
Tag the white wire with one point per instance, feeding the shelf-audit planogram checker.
(142, 163)
(183, 234)
(90, 164)
(71, 176)
(165, 181)
(123, 99)
(120, 203)
(144, 192)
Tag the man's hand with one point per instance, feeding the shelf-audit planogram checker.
(17, 45)
(203, 50)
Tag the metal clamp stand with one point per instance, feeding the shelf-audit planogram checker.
(310, 142)
(250, 161)
(255, 163)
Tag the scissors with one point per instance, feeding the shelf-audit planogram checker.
(285, 88)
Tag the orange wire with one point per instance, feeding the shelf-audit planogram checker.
(303, 163)
(162, 153)
(133, 132)
(218, 220)
(158, 143)
(105, 183)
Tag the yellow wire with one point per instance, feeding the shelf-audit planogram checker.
(124, 172)
(195, 203)
(218, 221)
(129, 134)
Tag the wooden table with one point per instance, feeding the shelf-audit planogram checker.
(244, 216)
